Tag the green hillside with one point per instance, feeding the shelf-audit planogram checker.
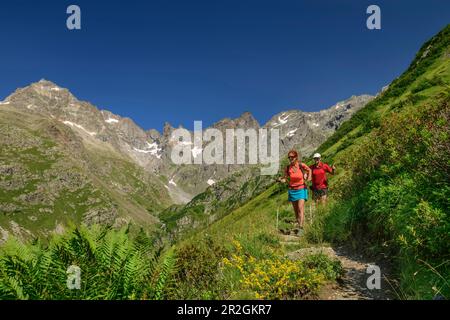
(391, 192)
(50, 179)
(215, 202)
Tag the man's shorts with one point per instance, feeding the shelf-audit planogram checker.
(319, 193)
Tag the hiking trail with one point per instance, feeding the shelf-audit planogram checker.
(353, 284)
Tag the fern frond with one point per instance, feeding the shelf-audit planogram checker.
(17, 288)
(164, 274)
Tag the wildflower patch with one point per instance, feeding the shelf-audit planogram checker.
(276, 278)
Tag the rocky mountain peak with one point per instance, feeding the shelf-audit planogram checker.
(247, 120)
(306, 130)
(45, 87)
(41, 93)
(244, 121)
(44, 82)
(167, 129)
(153, 134)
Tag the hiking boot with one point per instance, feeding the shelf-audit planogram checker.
(300, 232)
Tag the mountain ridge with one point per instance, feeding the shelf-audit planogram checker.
(127, 168)
(151, 149)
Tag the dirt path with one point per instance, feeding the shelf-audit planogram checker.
(353, 285)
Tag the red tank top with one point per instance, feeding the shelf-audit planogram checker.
(296, 178)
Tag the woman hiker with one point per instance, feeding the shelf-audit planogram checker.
(319, 178)
(297, 173)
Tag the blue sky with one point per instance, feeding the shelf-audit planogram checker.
(180, 61)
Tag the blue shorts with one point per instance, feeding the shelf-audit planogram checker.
(300, 194)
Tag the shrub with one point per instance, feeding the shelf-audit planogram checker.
(426, 232)
(197, 273)
(331, 269)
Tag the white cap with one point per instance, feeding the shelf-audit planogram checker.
(316, 155)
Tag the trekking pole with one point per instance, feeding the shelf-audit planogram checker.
(278, 211)
(278, 206)
(280, 189)
(310, 212)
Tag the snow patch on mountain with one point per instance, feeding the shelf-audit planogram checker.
(69, 123)
(282, 119)
(111, 120)
(291, 133)
(141, 150)
(338, 105)
(152, 148)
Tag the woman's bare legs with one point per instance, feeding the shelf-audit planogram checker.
(299, 209)
(296, 210)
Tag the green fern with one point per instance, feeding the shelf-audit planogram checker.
(166, 270)
(114, 265)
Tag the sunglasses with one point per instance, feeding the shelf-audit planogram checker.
(291, 157)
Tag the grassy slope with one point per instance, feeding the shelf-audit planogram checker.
(216, 202)
(362, 149)
(241, 256)
(255, 217)
(392, 192)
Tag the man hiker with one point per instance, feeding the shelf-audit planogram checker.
(297, 173)
(319, 178)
